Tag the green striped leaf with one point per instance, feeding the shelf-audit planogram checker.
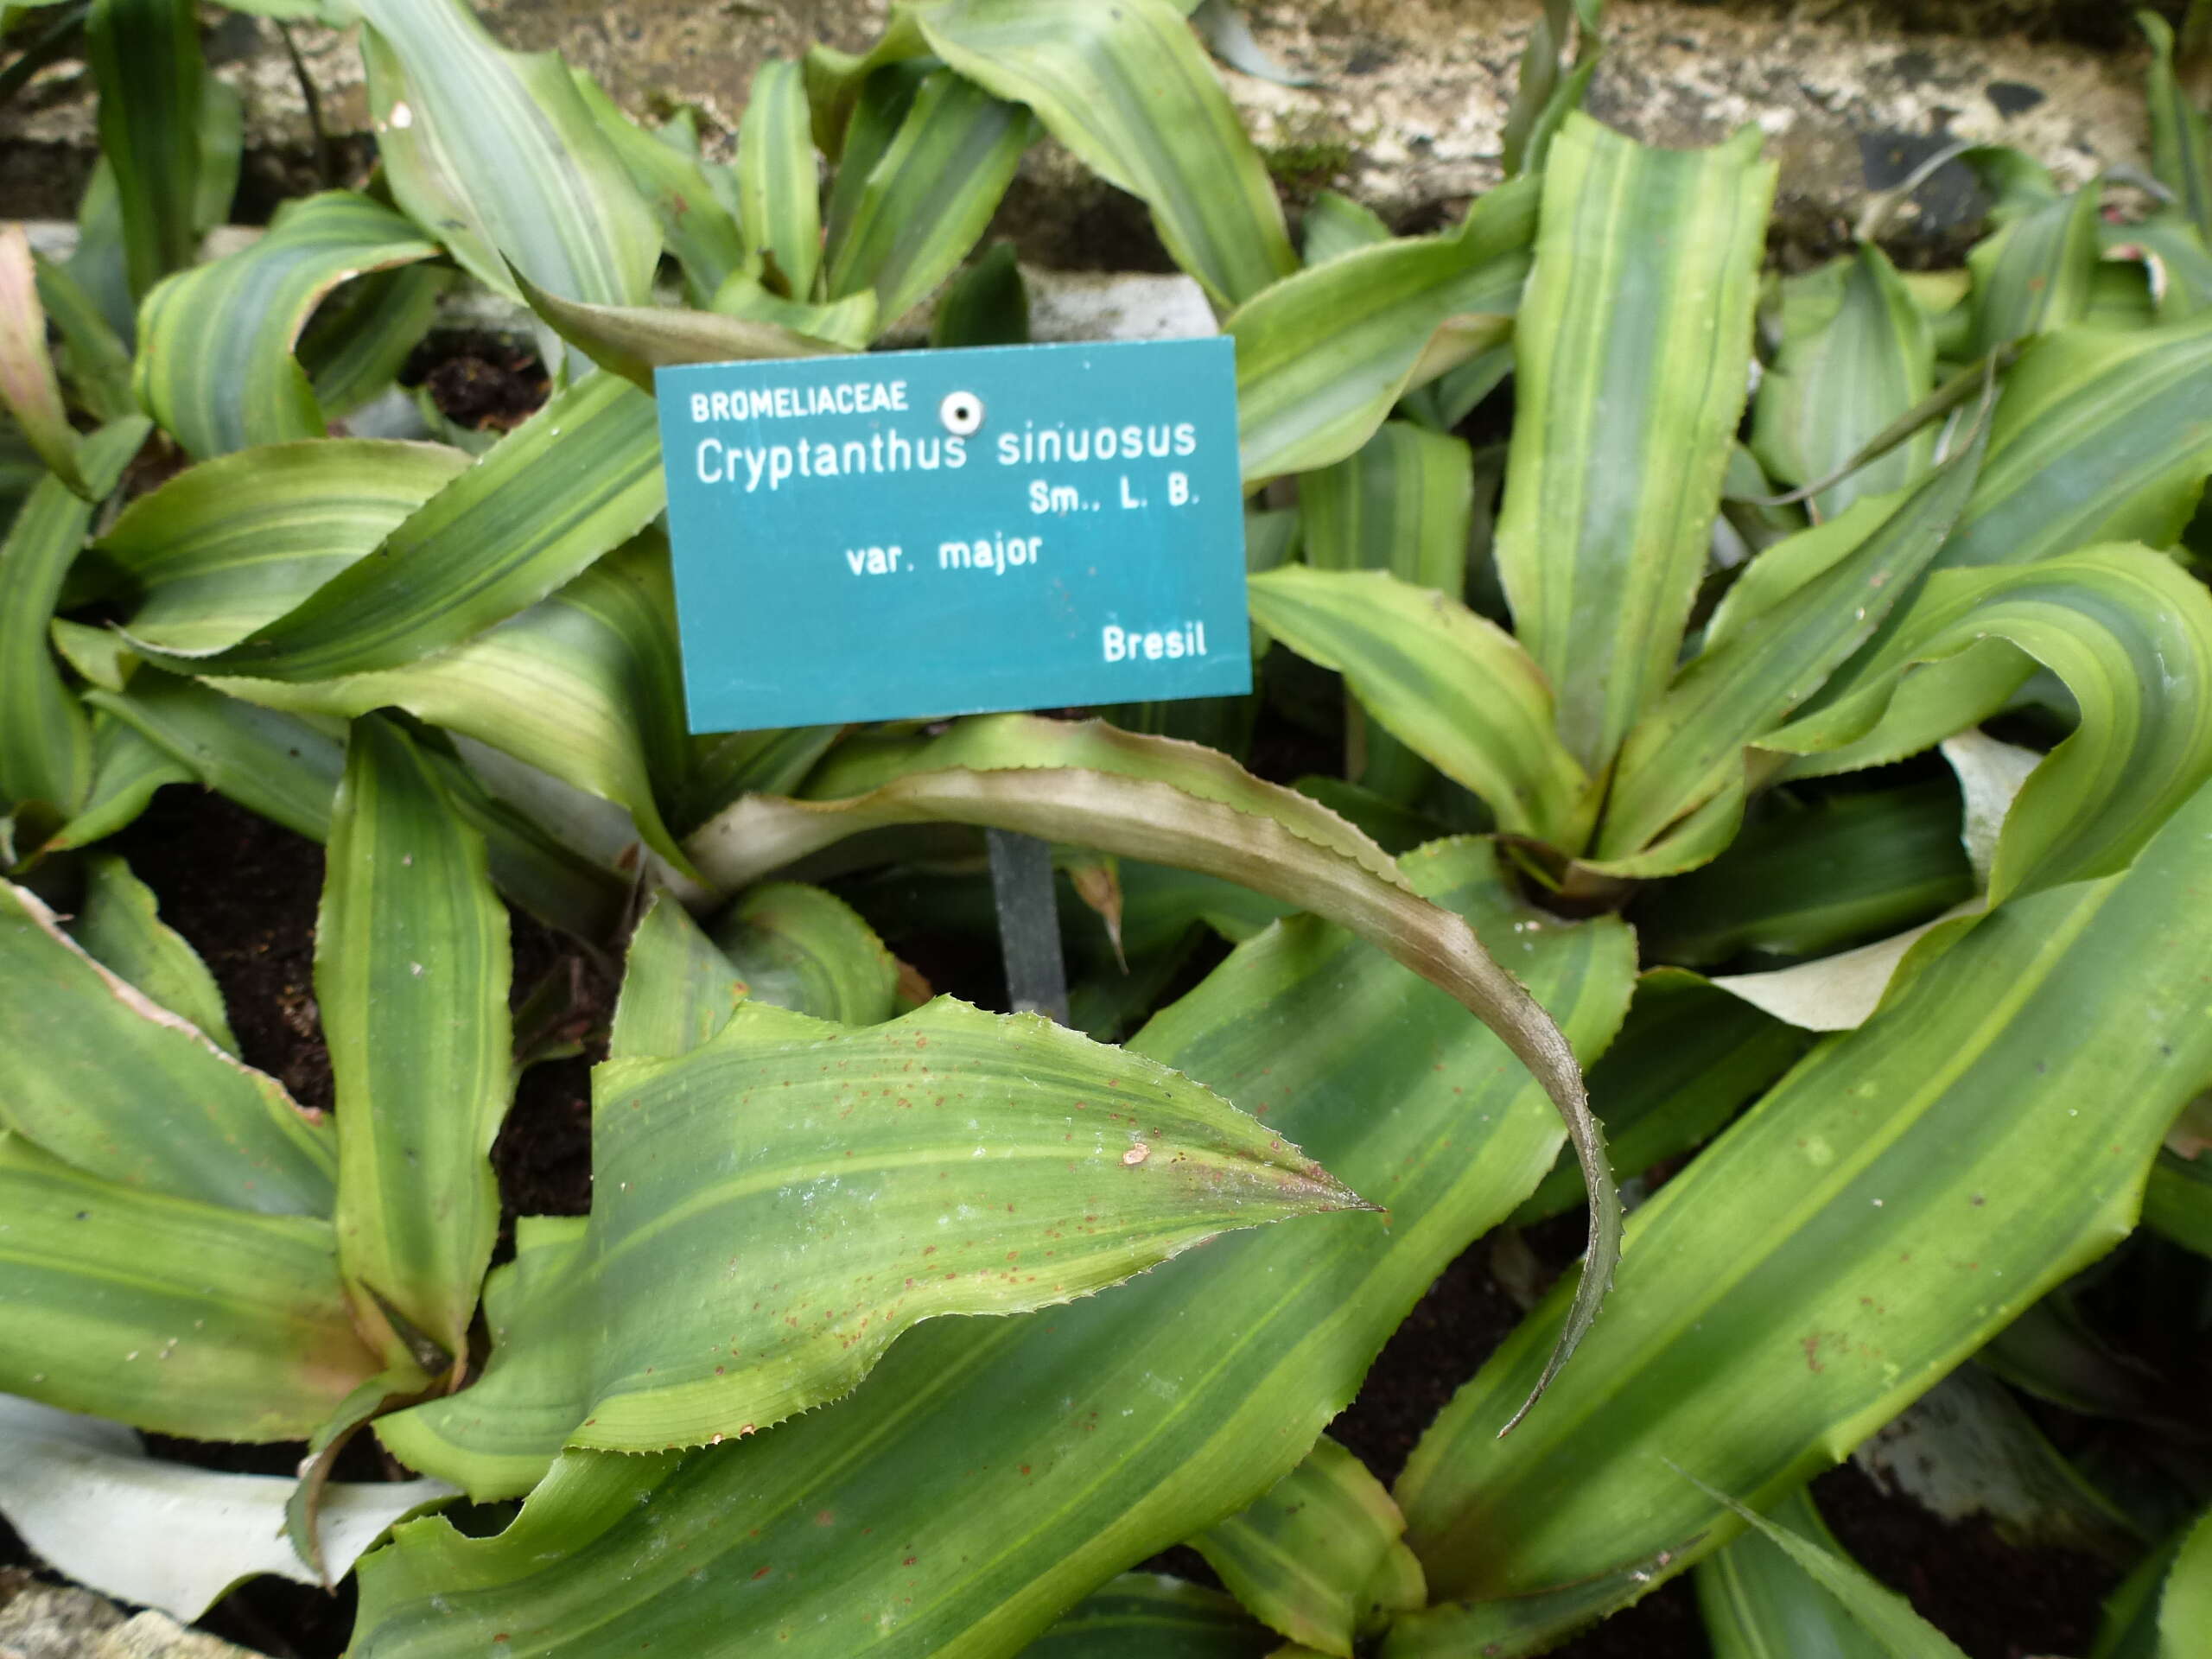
(677, 988)
(845, 325)
(28, 385)
(118, 925)
(987, 304)
(498, 154)
(222, 150)
(46, 747)
(101, 264)
(1181, 805)
(1631, 353)
(2185, 1606)
(838, 88)
(216, 366)
(2050, 1352)
(127, 769)
(1515, 1625)
(1454, 688)
(1839, 992)
(929, 196)
(866, 762)
(579, 478)
(2129, 1629)
(227, 547)
(1904, 1192)
(275, 765)
(287, 769)
(582, 685)
(2099, 436)
(2121, 296)
(1128, 90)
(1403, 502)
(411, 971)
(95, 361)
(1936, 702)
(551, 879)
(1792, 619)
(1757, 1601)
(873, 107)
(1302, 1557)
(1446, 401)
(126, 1090)
(102, 656)
(633, 341)
(1806, 879)
(1823, 1587)
(145, 58)
(1856, 354)
(2177, 1200)
(727, 764)
(173, 1315)
(779, 187)
(1688, 1057)
(20, 468)
(800, 948)
(699, 229)
(1323, 356)
(734, 1271)
(1150, 1613)
(1550, 88)
(1337, 225)
(951, 1469)
(356, 344)
(2131, 635)
(2037, 271)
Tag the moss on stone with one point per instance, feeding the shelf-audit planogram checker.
(1308, 154)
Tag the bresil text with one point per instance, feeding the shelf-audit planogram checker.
(1127, 646)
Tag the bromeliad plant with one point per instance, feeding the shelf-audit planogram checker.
(1952, 498)
(780, 1193)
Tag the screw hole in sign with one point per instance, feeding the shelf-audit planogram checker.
(962, 413)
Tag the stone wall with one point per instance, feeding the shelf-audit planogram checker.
(1405, 110)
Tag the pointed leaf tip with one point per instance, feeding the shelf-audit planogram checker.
(776, 1205)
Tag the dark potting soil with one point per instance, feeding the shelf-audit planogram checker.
(487, 382)
(1994, 1599)
(243, 893)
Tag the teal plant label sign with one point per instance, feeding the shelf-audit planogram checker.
(925, 533)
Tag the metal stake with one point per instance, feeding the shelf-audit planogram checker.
(1029, 924)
